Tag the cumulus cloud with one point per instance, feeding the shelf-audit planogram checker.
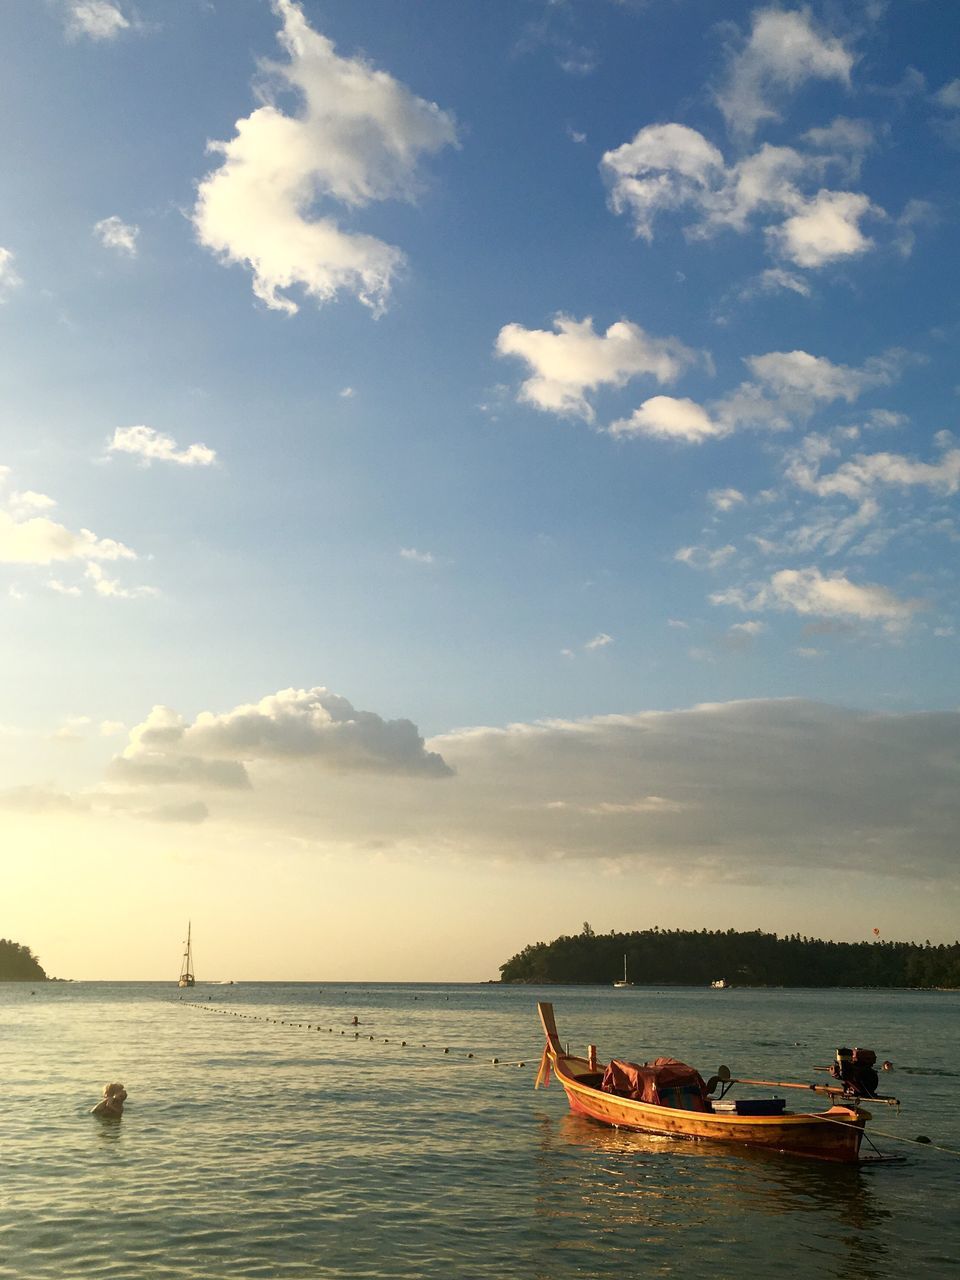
(671, 168)
(801, 380)
(9, 279)
(725, 499)
(860, 476)
(740, 791)
(599, 641)
(293, 727)
(29, 538)
(826, 228)
(150, 445)
(783, 51)
(39, 540)
(358, 137)
(418, 557)
(664, 166)
(573, 360)
(812, 593)
(949, 95)
(96, 19)
(669, 419)
(787, 386)
(114, 233)
(704, 557)
(844, 137)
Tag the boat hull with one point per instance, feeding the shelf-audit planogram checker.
(834, 1134)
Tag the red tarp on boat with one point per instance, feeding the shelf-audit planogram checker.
(666, 1083)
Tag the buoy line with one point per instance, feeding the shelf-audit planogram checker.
(317, 1026)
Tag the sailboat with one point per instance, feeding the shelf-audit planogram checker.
(186, 969)
(626, 981)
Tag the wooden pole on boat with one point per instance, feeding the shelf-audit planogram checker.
(814, 1088)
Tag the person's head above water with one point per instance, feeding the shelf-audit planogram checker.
(111, 1104)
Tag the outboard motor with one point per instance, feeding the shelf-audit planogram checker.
(855, 1067)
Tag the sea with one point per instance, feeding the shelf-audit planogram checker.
(268, 1135)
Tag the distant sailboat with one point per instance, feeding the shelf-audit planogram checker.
(626, 981)
(187, 978)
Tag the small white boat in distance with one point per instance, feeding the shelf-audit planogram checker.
(719, 984)
(626, 981)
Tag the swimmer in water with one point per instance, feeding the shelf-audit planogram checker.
(111, 1104)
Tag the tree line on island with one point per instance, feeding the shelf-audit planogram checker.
(688, 957)
(18, 963)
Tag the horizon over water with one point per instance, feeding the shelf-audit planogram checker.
(255, 1148)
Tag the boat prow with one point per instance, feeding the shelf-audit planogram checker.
(631, 1096)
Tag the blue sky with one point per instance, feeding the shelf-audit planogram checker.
(568, 385)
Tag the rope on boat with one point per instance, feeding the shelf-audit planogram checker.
(316, 1026)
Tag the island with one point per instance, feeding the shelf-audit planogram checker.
(728, 958)
(19, 964)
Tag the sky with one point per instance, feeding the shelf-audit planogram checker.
(471, 469)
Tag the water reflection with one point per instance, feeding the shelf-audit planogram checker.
(662, 1192)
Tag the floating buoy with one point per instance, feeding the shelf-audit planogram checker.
(446, 1051)
(495, 1061)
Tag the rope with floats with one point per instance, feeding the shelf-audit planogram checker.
(357, 1035)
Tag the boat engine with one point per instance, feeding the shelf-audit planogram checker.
(855, 1067)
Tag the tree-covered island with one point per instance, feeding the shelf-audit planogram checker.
(697, 958)
(19, 964)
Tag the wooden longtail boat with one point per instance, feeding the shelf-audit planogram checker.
(834, 1134)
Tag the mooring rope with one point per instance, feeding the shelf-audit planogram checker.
(357, 1035)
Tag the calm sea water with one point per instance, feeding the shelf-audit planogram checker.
(254, 1148)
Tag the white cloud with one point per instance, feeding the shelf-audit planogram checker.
(725, 499)
(669, 168)
(800, 380)
(307, 725)
(98, 19)
(27, 538)
(9, 279)
(664, 167)
(114, 233)
(783, 52)
(671, 419)
(103, 585)
(38, 540)
(825, 229)
(810, 592)
(703, 557)
(844, 137)
(346, 393)
(723, 792)
(568, 363)
(861, 475)
(418, 557)
(151, 446)
(73, 729)
(949, 95)
(776, 278)
(599, 641)
(358, 138)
